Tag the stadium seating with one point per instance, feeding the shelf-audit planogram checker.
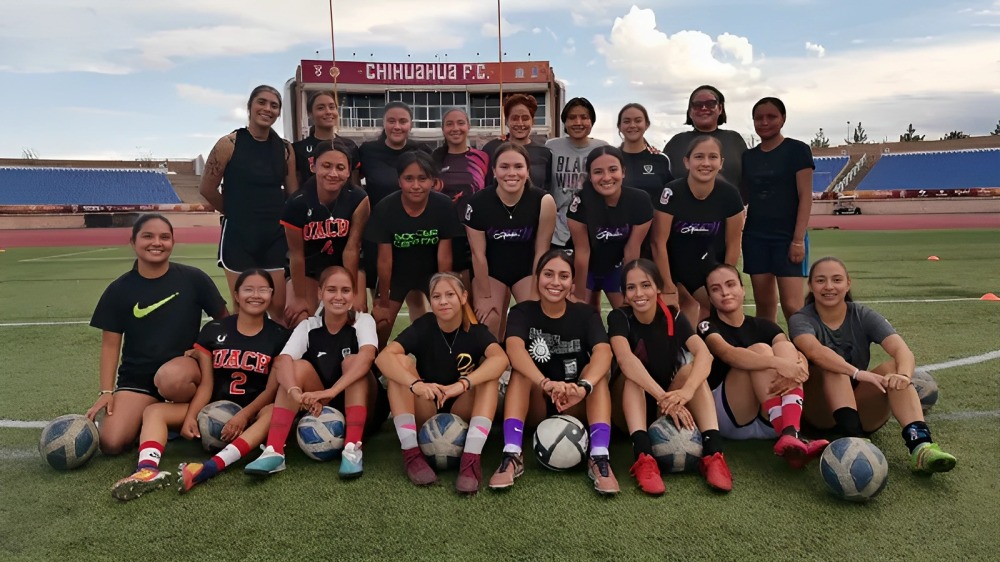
(959, 169)
(77, 186)
(827, 169)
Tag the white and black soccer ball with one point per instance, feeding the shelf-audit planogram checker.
(321, 437)
(854, 469)
(211, 419)
(675, 449)
(927, 389)
(68, 441)
(561, 442)
(442, 440)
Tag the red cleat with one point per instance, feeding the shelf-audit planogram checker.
(793, 450)
(716, 472)
(647, 474)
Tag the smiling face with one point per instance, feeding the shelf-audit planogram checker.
(337, 293)
(519, 123)
(254, 296)
(704, 110)
(705, 161)
(578, 123)
(447, 299)
(397, 124)
(633, 125)
(606, 174)
(333, 170)
(154, 242)
(640, 290)
(725, 290)
(767, 121)
(555, 280)
(511, 171)
(265, 108)
(455, 127)
(829, 283)
(324, 112)
(416, 184)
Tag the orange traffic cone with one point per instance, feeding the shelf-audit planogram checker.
(933, 258)
(989, 297)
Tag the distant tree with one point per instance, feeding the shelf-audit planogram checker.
(955, 135)
(911, 135)
(29, 154)
(860, 136)
(820, 140)
(996, 131)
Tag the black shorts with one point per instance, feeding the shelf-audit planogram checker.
(241, 249)
(767, 255)
(461, 254)
(140, 384)
(369, 263)
(402, 284)
(692, 275)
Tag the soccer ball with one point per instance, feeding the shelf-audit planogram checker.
(68, 441)
(442, 440)
(561, 442)
(321, 437)
(927, 389)
(211, 419)
(676, 450)
(854, 469)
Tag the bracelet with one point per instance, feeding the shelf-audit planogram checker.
(412, 384)
(103, 392)
(798, 243)
(541, 385)
(467, 381)
(854, 375)
(294, 388)
(585, 384)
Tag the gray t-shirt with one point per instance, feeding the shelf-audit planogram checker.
(569, 169)
(733, 147)
(862, 327)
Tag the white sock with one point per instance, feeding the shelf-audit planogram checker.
(406, 430)
(479, 430)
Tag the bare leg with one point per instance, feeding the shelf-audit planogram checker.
(765, 296)
(793, 294)
(119, 430)
(177, 379)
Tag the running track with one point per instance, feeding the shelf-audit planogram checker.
(210, 234)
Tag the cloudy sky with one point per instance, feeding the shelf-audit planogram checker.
(127, 79)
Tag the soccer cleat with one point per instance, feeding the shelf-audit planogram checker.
(928, 458)
(792, 449)
(511, 467)
(716, 472)
(647, 474)
(268, 462)
(814, 449)
(351, 465)
(599, 470)
(138, 483)
(417, 469)
(470, 474)
(187, 473)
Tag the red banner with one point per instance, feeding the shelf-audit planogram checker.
(425, 73)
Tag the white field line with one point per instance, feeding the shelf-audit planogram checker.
(963, 361)
(50, 258)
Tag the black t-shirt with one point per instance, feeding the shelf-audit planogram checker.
(753, 331)
(560, 347)
(304, 155)
(414, 239)
(312, 341)
(443, 357)
(647, 171)
(771, 189)
(159, 318)
(324, 228)
(539, 164)
(733, 147)
(377, 163)
(658, 345)
(252, 183)
(609, 228)
(510, 232)
(698, 231)
(240, 364)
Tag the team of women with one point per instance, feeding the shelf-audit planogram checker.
(658, 233)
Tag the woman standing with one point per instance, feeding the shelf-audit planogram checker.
(608, 223)
(645, 167)
(325, 117)
(696, 226)
(560, 358)
(777, 180)
(509, 225)
(843, 392)
(150, 317)
(458, 363)
(324, 224)
(519, 114)
(706, 112)
(249, 174)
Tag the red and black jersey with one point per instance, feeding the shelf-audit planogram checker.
(324, 228)
(240, 363)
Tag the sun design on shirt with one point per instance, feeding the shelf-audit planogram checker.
(539, 350)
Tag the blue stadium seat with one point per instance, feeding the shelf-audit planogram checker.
(79, 186)
(960, 169)
(827, 169)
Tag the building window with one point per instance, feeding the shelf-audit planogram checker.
(485, 111)
(429, 107)
(540, 115)
(361, 111)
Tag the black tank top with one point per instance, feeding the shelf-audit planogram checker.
(252, 183)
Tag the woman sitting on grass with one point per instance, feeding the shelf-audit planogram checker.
(458, 365)
(835, 334)
(235, 356)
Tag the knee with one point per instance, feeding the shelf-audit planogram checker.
(177, 373)
(112, 445)
(761, 348)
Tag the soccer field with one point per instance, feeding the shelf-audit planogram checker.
(49, 360)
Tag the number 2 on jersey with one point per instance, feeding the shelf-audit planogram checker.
(239, 379)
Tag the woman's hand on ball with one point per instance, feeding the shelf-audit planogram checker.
(104, 401)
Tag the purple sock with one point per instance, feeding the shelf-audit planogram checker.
(513, 435)
(600, 438)
(208, 470)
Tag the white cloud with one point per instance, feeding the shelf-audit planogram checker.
(536, 30)
(489, 29)
(817, 49)
(232, 106)
(570, 48)
(609, 82)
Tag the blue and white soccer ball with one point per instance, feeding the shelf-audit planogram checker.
(442, 440)
(854, 469)
(321, 437)
(211, 419)
(68, 441)
(675, 449)
(561, 442)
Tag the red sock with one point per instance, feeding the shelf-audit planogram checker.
(232, 453)
(774, 411)
(281, 424)
(355, 423)
(791, 408)
(150, 453)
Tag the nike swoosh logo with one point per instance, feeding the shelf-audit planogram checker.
(320, 354)
(143, 312)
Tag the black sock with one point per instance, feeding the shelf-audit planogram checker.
(916, 434)
(641, 444)
(848, 422)
(711, 442)
(790, 431)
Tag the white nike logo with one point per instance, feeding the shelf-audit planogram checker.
(320, 354)
(518, 430)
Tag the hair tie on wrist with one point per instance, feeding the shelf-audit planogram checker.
(412, 384)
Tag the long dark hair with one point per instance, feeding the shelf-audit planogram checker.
(263, 88)
(554, 254)
(338, 145)
(649, 268)
(393, 105)
(606, 150)
(810, 298)
(143, 219)
(508, 146)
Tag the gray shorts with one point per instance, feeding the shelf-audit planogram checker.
(758, 428)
